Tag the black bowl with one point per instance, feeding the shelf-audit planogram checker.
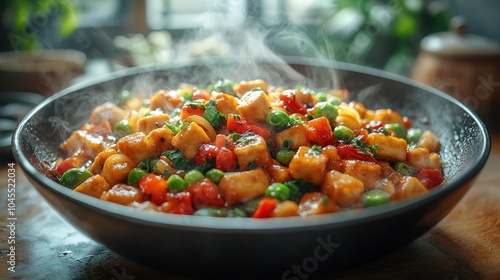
(284, 247)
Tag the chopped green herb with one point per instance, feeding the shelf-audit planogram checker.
(178, 160)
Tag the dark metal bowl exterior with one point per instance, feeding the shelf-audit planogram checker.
(290, 248)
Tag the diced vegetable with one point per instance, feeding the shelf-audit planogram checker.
(375, 197)
(74, 177)
(265, 208)
(154, 187)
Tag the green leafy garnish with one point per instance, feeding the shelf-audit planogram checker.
(364, 148)
(178, 160)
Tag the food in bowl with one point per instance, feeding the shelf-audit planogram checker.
(248, 149)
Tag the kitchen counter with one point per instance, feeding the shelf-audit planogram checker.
(464, 245)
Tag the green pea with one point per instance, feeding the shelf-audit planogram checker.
(398, 129)
(279, 191)
(214, 175)
(193, 176)
(334, 100)
(325, 109)
(135, 175)
(321, 96)
(277, 119)
(413, 135)
(176, 183)
(405, 169)
(343, 133)
(211, 212)
(124, 97)
(73, 177)
(223, 85)
(375, 197)
(122, 128)
(284, 156)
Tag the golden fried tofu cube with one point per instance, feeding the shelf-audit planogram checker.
(253, 151)
(225, 103)
(297, 134)
(189, 140)
(148, 123)
(254, 106)
(123, 194)
(99, 160)
(278, 172)
(390, 148)
(286, 208)
(308, 165)
(313, 203)
(165, 100)
(82, 141)
(410, 187)
(421, 158)
(239, 187)
(116, 169)
(367, 172)
(343, 189)
(136, 146)
(429, 141)
(245, 86)
(94, 186)
(107, 112)
(161, 139)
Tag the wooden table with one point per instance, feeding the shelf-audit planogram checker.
(464, 245)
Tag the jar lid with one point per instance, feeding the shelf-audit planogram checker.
(457, 42)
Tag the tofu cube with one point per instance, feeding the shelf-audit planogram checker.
(367, 172)
(148, 123)
(123, 194)
(296, 133)
(253, 151)
(343, 189)
(410, 187)
(245, 86)
(313, 203)
(94, 186)
(226, 104)
(189, 140)
(390, 148)
(239, 187)
(254, 106)
(161, 139)
(308, 165)
(136, 147)
(421, 158)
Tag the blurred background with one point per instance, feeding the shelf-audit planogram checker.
(95, 37)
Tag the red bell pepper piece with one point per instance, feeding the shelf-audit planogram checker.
(155, 187)
(350, 152)
(287, 97)
(320, 131)
(265, 208)
(178, 203)
(205, 193)
(430, 178)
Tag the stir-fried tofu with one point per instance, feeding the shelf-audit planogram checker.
(108, 112)
(410, 187)
(343, 189)
(160, 138)
(123, 194)
(390, 148)
(166, 100)
(421, 158)
(297, 134)
(116, 169)
(136, 147)
(99, 160)
(308, 165)
(278, 172)
(286, 208)
(225, 103)
(254, 106)
(82, 141)
(246, 86)
(313, 203)
(148, 123)
(94, 186)
(429, 141)
(252, 151)
(243, 186)
(189, 140)
(367, 172)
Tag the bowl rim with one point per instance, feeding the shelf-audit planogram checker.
(339, 219)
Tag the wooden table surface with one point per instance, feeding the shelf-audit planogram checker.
(464, 245)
